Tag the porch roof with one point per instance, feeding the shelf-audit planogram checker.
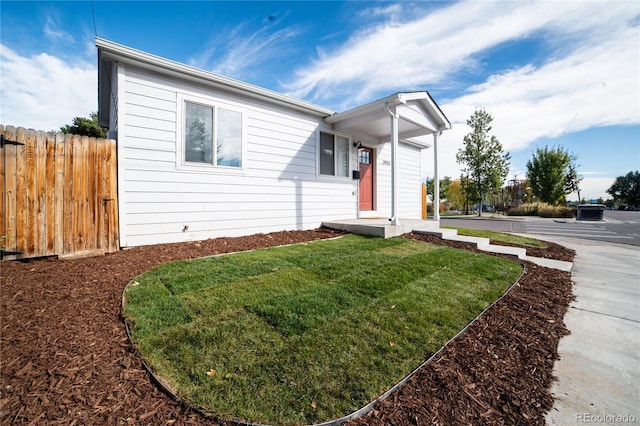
(417, 112)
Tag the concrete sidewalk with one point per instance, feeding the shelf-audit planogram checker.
(599, 370)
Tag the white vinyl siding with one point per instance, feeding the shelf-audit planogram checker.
(409, 182)
(277, 187)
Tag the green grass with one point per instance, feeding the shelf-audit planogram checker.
(500, 237)
(306, 333)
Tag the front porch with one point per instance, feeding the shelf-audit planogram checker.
(382, 227)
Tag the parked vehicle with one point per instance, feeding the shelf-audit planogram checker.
(486, 208)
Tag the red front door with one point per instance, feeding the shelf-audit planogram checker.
(365, 161)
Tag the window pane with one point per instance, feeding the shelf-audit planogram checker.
(364, 157)
(342, 156)
(229, 143)
(326, 154)
(198, 141)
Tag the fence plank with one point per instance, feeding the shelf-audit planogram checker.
(111, 197)
(21, 191)
(67, 226)
(83, 194)
(50, 194)
(92, 194)
(76, 195)
(40, 200)
(10, 176)
(99, 182)
(3, 195)
(59, 182)
(31, 218)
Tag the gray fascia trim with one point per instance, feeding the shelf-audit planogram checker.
(118, 52)
(431, 105)
(395, 99)
(363, 109)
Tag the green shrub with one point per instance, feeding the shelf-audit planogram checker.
(529, 209)
(542, 210)
(547, 210)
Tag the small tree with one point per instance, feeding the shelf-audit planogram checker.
(85, 126)
(626, 189)
(455, 196)
(486, 165)
(573, 179)
(444, 186)
(552, 175)
(468, 191)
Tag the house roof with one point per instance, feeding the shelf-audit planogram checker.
(110, 52)
(419, 114)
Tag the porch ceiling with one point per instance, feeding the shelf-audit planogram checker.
(418, 116)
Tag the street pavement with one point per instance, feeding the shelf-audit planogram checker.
(618, 226)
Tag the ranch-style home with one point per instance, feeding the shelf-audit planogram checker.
(201, 155)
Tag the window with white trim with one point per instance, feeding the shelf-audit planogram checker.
(334, 155)
(212, 135)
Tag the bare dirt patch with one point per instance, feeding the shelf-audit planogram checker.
(65, 357)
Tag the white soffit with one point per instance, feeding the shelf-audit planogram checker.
(418, 116)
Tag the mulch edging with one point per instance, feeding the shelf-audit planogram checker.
(66, 358)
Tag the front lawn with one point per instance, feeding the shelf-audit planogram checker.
(310, 332)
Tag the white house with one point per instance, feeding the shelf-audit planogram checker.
(201, 155)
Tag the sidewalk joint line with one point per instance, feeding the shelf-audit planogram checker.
(606, 315)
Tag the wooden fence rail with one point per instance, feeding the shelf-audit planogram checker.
(59, 194)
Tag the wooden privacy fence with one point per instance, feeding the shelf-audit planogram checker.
(58, 194)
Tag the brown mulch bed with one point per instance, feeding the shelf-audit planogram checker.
(65, 357)
(551, 251)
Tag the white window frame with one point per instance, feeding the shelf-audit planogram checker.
(335, 164)
(181, 163)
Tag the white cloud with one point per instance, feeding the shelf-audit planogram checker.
(429, 49)
(51, 30)
(593, 188)
(44, 92)
(236, 52)
(595, 85)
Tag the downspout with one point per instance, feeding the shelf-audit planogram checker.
(436, 178)
(394, 163)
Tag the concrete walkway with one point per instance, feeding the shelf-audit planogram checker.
(484, 244)
(599, 370)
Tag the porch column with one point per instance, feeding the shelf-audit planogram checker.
(394, 166)
(436, 179)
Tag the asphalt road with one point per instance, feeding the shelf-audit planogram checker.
(617, 227)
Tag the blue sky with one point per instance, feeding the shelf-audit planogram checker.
(552, 73)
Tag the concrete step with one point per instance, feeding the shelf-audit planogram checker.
(514, 251)
(438, 232)
(551, 263)
(452, 235)
(484, 245)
